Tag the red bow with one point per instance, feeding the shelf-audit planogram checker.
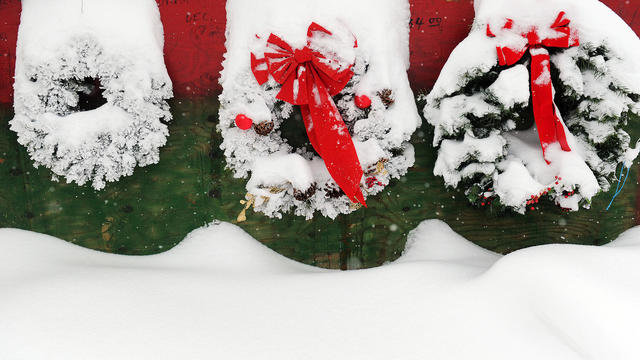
(550, 127)
(309, 80)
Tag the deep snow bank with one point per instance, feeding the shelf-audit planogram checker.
(222, 295)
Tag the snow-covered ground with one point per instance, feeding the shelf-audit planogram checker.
(222, 295)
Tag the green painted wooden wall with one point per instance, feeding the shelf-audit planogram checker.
(154, 209)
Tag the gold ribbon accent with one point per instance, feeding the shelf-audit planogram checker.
(242, 217)
(251, 201)
(380, 170)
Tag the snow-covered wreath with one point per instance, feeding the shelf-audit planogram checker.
(352, 156)
(532, 104)
(91, 87)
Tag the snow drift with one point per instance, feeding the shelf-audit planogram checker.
(222, 295)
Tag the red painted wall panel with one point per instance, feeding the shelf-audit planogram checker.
(437, 26)
(9, 20)
(194, 44)
(194, 39)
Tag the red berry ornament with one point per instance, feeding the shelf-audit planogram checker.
(363, 101)
(243, 122)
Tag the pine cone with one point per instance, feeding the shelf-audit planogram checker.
(304, 195)
(333, 192)
(264, 128)
(386, 95)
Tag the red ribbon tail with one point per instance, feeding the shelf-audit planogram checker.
(308, 82)
(330, 137)
(549, 125)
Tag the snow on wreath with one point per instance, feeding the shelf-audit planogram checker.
(532, 105)
(91, 87)
(292, 88)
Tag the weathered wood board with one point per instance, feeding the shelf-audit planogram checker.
(155, 208)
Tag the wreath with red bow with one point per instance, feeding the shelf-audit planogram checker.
(545, 122)
(309, 88)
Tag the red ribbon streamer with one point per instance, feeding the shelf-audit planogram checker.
(309, 80)
(550, 127)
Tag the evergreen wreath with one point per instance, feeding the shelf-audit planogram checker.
(489, 125)
(258, 127)
(91, 92)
